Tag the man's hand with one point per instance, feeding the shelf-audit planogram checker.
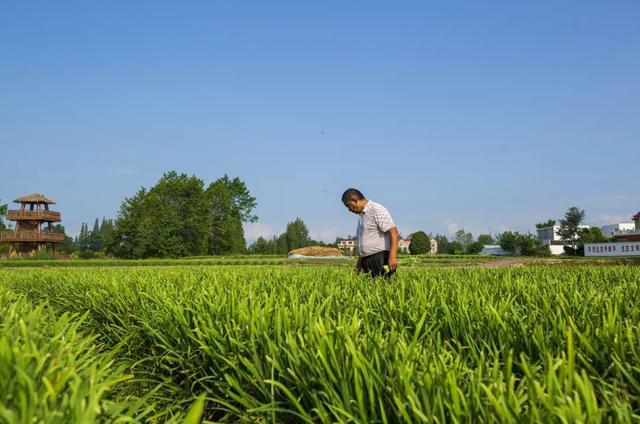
(358, 266)
(392, 262)
(393, 248)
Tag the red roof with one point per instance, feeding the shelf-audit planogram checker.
(636, 216)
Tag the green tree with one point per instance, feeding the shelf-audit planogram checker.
(465, 239)
(475, 248)
(95, 238)
(297, 235)
(570, 226)
(225, 233)
(420, 243)
(589, 235)
(82, 240)
(443, 244)
(549, 223)
(281, 244)
(3, 213)
(68, 246)
(455, 248)
(261, 246)
(508, 242)
(168, 220)
(484, 239)
(107, 234)
(528, 244)
(242, 200)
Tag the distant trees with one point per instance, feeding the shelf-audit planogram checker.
(523, 244)
(464, 239)
(570, 226)
(486, 239)
(420, 243)
(3, 213)
(443, 244)
(89, 243)
(179, 217)
(463, 243)
(295, 236)
(586, 235)
(549, 223)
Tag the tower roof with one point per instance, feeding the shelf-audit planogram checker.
(636, 216)
(35, 198)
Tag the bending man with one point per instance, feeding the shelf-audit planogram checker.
(377, 235)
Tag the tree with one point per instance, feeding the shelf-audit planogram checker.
(297, 235)
(261, 246)
(225, 234)
(281, 244)
(443, 244)
(570, 226)
(527, 244)
(508, 242)
(82, 240)
(465, 239)
(475, 248)
(455, 248)
(549, 223)
(68, 245)
(242, 200)
(95, 238)
(178, 217)
(3, 213)
(107, 234)
(589, 235)
(486, 239)
(420, 243)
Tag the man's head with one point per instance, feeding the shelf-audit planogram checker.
(354, 200)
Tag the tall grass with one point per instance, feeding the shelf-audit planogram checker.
(321, 345)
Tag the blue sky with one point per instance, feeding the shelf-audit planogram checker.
(478, 115)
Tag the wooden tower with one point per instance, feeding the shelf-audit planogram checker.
(31, 219)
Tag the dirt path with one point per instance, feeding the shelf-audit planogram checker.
(503, 262)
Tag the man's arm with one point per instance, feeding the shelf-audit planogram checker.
(393, 247)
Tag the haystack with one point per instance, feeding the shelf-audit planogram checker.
(316, 251)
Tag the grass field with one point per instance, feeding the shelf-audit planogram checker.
(317, 344)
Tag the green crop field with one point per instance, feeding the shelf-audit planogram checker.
(273, 343)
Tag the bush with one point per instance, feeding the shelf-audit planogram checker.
(420, 243)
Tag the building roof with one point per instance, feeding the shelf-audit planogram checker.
(35, 198)
(636, 216)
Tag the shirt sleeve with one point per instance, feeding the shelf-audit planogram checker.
(384, 220)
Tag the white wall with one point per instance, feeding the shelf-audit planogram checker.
(621, 248)
(608, 230)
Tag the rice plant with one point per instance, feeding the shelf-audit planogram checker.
(319, 344)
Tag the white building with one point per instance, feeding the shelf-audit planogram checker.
(493, 249)
(548, 236)
(404, 243)
(610, 230)
(347, 245)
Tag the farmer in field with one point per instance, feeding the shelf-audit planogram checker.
(377, 235)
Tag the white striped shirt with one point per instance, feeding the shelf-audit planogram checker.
(373, 224)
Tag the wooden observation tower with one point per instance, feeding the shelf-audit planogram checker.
(31, 218)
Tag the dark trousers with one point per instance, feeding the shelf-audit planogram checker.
(374, 264)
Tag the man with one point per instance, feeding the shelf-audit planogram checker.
(377, 235)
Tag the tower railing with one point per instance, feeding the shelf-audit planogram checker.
(27, 215)
(26, 236)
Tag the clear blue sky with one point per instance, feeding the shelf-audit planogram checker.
(482, 115)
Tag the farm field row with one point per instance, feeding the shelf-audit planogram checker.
(318, 344)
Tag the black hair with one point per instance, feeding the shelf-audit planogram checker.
(352, 194)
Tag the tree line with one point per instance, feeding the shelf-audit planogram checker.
(295, 236)
(179, 216)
